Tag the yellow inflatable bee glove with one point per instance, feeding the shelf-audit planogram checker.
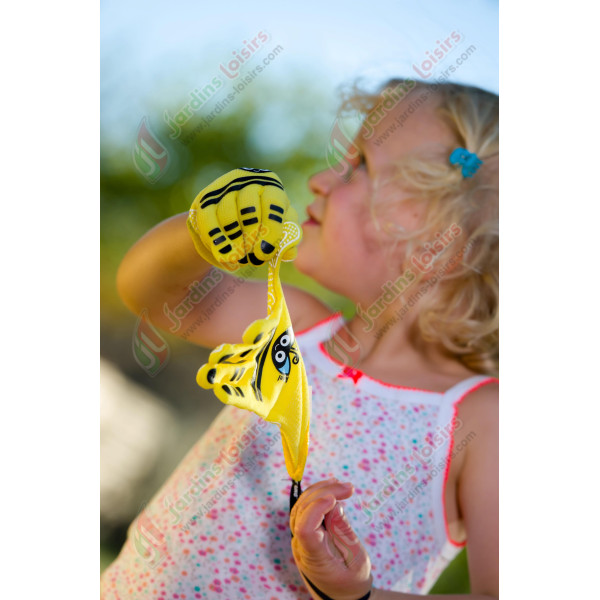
(265, 373)
(238, 219)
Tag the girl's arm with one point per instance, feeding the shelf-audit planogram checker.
(478, 488)
(164, 274)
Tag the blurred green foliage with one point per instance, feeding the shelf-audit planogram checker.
(455, 579)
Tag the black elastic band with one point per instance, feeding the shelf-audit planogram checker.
(324, 596)
(295, 491)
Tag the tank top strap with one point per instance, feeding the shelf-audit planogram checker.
(321, 331)
(456, 393)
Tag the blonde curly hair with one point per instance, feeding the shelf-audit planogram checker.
(462, 313)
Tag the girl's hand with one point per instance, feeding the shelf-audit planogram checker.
(331, 557)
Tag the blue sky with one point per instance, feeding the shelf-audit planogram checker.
(153, 54)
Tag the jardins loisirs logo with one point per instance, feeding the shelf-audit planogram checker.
(148, 540)
(150, 350)
(341, 150)
(200, 96)
(233, 66)
(150, 157)
(390, 98)
(437, 55)
(233, 461)
(422, 263)
(440, 439)
(197, 291)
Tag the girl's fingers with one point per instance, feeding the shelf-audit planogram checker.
(344, 540)
(340, 489)
(308, 533)
(331, 487)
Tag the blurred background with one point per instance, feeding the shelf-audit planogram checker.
(188, 92)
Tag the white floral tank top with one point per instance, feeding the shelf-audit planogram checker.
(219, 526)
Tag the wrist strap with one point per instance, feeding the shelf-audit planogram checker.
(324, 596)
(295, 491)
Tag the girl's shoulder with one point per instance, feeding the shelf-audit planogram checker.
(477, 413)
(480, 404)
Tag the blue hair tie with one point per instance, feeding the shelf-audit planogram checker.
(468, 160)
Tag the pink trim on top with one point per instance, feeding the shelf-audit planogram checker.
(319, 323)
(362, 374)
(449, 457)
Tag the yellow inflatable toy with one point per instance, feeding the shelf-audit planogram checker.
(241, 218)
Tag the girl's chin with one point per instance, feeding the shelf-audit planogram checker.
(306, 262)
(301, 262)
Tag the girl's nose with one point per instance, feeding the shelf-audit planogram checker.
(320, 184)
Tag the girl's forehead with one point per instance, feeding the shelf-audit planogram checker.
(404, 129)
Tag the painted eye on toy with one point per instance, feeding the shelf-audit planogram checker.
(281, 352)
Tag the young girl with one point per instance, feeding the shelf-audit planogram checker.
(404, 396)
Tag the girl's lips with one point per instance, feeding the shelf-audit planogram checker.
(309, 221)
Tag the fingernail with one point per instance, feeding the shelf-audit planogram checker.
(340, 510)
(347, 484)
